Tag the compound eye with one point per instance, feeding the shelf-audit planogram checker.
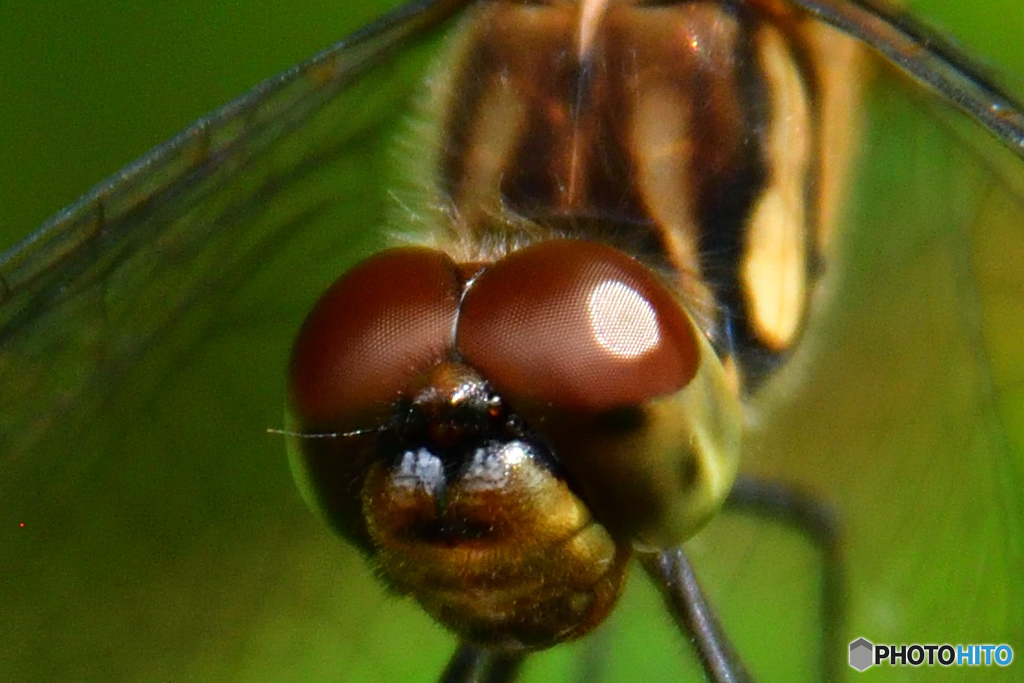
(376, 328)
(577, 325)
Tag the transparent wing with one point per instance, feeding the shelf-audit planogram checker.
(162, 538)
(908, 416)
(904, 409)
(214, 197)
(147, 515)
(904, 405)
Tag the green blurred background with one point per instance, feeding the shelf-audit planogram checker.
(87, 87)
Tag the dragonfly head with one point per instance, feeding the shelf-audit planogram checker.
(509, 431)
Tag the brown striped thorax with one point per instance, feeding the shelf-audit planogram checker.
(623, 210)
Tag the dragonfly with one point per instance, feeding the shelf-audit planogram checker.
(161, 536)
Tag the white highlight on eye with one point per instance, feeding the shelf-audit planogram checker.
(624, 323)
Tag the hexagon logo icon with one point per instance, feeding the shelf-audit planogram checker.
(861, 652)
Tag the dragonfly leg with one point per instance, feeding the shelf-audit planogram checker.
(472, 664)
(819, 523)
(592, 665)
(674, 575)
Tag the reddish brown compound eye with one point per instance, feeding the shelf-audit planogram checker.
(579, 325)
(371, 333)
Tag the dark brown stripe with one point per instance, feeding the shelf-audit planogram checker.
(573, 169)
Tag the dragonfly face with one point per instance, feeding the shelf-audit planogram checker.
(218, 546)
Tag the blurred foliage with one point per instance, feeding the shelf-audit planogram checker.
(169, 544)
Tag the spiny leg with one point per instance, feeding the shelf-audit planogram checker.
(777, 502)
(672, 573)
(592, 663)
(819, 523)
(472, 664)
